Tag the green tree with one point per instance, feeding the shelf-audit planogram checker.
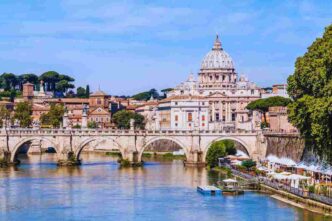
(54, 116)
(310, 86)
(230, 147)
(248, 164)
(216, 151)
(81, 92)
(262, 105)
(50, 79)
(122, 119)
(8, 81)
(63, 86)
(146, 95)
(24, 78)
(4, 114)
(92, 124)
(87, 90)
(23, 111)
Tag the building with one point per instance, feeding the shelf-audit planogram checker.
(215, 101)
(278, 120)
(276, 90)
(99, 109)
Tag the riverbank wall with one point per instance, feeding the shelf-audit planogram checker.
(292, 199)
(287, 145)
(288, 197)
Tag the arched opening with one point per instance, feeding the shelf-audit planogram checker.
(163, 150)
(35, 151)
(234, 147)
(97, 150)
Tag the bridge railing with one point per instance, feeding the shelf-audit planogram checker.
(45, 131)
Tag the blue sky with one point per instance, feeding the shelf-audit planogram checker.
(130, 46)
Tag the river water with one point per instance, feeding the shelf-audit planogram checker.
(100, 190)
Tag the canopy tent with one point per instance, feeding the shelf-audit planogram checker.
(229, 181)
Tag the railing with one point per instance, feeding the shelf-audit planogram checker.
(279, 186)
(34, 131)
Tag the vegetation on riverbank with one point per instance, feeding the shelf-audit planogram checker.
(310, 87)
(218, 150)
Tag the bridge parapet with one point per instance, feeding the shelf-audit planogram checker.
(91, 132)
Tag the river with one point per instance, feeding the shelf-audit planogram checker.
(100, 190)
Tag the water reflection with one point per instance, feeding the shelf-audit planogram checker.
(100, 190)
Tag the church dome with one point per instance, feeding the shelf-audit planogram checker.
(217, 58)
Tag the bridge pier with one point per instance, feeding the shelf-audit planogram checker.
(5, 159)
(68, 159)
(195, 159)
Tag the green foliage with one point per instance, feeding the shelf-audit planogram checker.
(216, 151)
(23, 111)
(92, 124)
(81, 92)
(122, 119)
(230, 147)
(312, 189)
(146, 95)
(77, 126)
(263, 104)
(310, 86)
(56, 82)
(4, 114)
(63, 86)
(8, 81)
(87, 91)
(248, 164)
(54, 116)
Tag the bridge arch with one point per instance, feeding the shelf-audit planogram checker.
(152, 140)
(236, 139)
(30, 139)
(81, 146)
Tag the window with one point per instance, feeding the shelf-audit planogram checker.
(189, 125)
(252, 92)
(176, 124)
(210, 78)
(98, 101)
(190, 117)
(223, 118)
(217, 116)
(242, 118)
(176, 118)
(203, 117)
(233, 116)
(203, 103)
(176, 103)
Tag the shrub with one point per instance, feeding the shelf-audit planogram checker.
(248, 164)
(216, 151)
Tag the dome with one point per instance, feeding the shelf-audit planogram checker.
(217, 58)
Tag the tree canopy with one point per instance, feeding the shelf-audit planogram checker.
(122, 119)
(262, 105)
(54, 116)
(146, 95)
(310, 86)
(23, 111)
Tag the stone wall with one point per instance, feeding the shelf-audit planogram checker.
(163, 146)
(285, 145)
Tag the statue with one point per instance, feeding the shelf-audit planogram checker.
(132, 124)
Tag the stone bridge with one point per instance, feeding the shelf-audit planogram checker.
(69, 143)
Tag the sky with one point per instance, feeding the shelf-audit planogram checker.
(125, 47)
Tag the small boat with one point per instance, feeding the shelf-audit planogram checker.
(209, 190)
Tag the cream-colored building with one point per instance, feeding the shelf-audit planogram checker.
(215, 101)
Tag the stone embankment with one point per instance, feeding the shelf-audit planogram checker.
(293, 197)
(288, 145)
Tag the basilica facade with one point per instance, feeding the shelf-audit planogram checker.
(216, 100)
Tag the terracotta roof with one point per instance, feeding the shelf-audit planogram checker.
(69, 100)
(98, 93)
(181, 97)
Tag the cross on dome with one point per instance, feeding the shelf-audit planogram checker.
(217, 44)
